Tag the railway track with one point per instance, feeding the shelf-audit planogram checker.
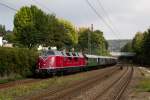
(124, 86)
(113, 91)
(116, 89)
(20, 82)
(114, 80)
(67, 92)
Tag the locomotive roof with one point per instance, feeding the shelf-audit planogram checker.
(97, 56)
(63, 53)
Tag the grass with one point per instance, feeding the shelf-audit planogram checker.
(20, 90)
(4, 81)
(10, 78)
(144, 85)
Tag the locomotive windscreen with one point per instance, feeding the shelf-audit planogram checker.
(50, 53)
(46, 53)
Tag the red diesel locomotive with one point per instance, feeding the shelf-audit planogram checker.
(55, 61)
(51, 62)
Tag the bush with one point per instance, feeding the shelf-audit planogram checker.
(19, 61)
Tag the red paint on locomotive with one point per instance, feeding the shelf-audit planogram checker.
(54, 60)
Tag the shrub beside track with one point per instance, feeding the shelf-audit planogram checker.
(17, 61)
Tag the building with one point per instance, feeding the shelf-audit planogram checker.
(4, 43)
(42, 48)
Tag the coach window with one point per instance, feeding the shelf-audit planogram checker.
(97, 60)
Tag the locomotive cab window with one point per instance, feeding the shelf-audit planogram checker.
(47, 53)
(63, 53)
(76, 54)
(50, 53)
(73, 54)
(68, 54)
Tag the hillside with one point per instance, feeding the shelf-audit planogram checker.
(116, 45)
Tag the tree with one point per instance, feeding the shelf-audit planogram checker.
(10, 37)
(70, 31)
(127, 47)
(83, 39)
(98, 42)
(146, 47)
(31, 26)
(2, 30)
(137, 42)
(141, 46)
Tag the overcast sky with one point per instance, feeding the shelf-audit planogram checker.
(127, 16)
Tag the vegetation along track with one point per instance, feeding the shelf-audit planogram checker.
(19, 82)
(116, 89)
(76, 88)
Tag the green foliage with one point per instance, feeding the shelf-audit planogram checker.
(127, 47)
(10, 37)
(98, 43)
(27, 89)
(2, 30)
(137, 42)
(71, 31)
(83, 39)
(10, 78)
(141, 46)
(17, 61)
(146, 47)
(60, 36)
(144, 85)
(31, 26)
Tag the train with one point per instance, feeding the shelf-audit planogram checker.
(53, 61)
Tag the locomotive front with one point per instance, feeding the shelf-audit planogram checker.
(46, 62)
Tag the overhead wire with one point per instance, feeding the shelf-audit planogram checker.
(109, 20)
(101, 17)
(108, 17)
(14, 9)
(109, 25)
(7, 6)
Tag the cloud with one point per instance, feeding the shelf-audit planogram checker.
(128, 16)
